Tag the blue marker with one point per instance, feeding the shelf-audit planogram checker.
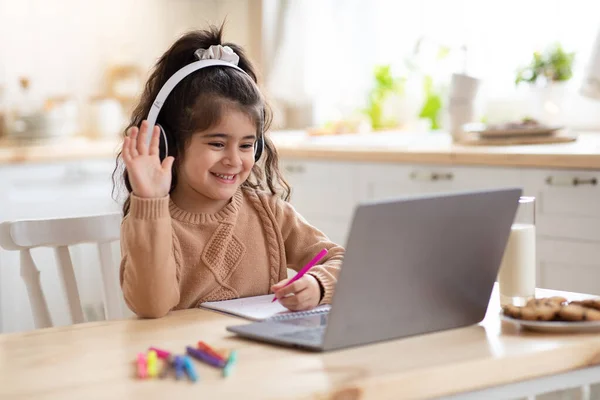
(230, 363)
(178, 367)
(189, 368)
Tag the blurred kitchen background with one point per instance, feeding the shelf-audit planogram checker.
(70, 71)
(69, 67)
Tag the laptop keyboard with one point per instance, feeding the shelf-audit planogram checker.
(313, 335)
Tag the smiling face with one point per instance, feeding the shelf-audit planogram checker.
(216, 162)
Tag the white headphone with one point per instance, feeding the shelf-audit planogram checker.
(170, 85)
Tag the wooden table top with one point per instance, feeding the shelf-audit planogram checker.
(96, 360)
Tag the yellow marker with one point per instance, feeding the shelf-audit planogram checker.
(152, 364)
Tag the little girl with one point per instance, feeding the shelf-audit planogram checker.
(203, 220)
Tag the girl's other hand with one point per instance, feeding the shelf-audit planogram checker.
(148, 177)
(301, 295)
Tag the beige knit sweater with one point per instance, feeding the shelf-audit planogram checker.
(173, 259)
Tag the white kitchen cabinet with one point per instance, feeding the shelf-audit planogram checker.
(331, 187)
(381, 181)
(57, 190)
(568, 228)
(324, 193)
(567, 264)
(50, 191)
(567, 205)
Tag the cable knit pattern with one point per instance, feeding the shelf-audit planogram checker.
(223, 252)
(174, 259)
(219, 294)
(273, 246)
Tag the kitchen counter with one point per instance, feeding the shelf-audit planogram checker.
(437, 148)
(423, 148)
(76, 148)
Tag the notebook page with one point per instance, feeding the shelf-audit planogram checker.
(256, 308)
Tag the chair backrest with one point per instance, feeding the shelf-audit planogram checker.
(60, 233)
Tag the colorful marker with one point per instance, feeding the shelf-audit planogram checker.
(162, 354)
(142, 366)
(152, 364)
(205, 357)
(209, 350)
(189, 368)
(178, 367)
(230, 363)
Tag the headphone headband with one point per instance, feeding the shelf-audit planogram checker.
(168, 87)
(172, 82)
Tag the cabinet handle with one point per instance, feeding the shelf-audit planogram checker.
(432, 176)
(570, 181)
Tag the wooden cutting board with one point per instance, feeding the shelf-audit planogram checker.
(473, 139)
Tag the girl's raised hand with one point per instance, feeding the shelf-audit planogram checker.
(148, 177)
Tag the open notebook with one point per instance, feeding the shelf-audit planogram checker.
(259, 308)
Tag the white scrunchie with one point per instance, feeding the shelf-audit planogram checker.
(218, 52)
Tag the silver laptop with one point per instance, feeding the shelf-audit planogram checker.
(412, 266)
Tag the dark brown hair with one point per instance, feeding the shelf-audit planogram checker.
(198, 102)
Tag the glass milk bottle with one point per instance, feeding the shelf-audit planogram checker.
(516, 278)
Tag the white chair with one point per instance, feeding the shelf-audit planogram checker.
(60, 233)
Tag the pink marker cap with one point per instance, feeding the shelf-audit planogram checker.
(163, 354)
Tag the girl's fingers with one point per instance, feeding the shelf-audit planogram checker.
(133, 142)
(154, 141)
(293, 288)
(298, 301)
(167, 164)
(126, 154)
(279, 284)
(142, 148)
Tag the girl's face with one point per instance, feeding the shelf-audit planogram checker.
(217, 161)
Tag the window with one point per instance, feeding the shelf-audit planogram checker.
(339, 42)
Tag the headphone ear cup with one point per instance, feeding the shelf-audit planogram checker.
(163, 145)
(259, 147)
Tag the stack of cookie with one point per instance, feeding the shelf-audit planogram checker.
(555, 309)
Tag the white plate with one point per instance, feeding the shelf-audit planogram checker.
(491, 131)
(554, 326)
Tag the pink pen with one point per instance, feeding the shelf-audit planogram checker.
(305, 269)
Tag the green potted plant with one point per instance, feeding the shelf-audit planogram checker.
(547, 67)
(412, 95)
(547, 75)
(385, 90)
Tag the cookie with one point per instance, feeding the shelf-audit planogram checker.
(529, 313)
(575, 312)
(543, 312)
(512, 311)
(559, 300)
(550, 301)
(589, 303)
